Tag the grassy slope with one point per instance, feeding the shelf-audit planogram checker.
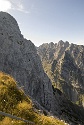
(14, 101)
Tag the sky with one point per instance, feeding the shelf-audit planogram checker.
(45, 21)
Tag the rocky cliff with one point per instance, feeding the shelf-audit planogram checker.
(64, 64)
(19, 58)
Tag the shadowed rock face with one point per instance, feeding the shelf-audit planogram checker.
(19, 58)
(64, 64)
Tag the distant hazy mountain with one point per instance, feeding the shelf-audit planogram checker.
(19, 58)
(64, 64)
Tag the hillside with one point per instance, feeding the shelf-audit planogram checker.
(14, 101)
(64, 64)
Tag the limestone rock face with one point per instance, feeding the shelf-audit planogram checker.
(64, 64)
(18, 57)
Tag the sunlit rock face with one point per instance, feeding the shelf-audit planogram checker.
(64, 64)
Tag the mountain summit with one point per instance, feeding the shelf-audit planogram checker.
(64, 64)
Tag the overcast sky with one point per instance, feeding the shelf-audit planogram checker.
(48, 20)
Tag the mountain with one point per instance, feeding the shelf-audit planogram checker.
(19, 58)
(64, 64)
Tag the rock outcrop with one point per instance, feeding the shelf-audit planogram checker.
(64, 64)
(19, 58)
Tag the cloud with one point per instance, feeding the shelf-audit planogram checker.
(21, 8)
(6, 5)
(17, 5)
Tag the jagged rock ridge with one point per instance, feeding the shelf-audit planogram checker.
(19, 58)
(64, 64)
